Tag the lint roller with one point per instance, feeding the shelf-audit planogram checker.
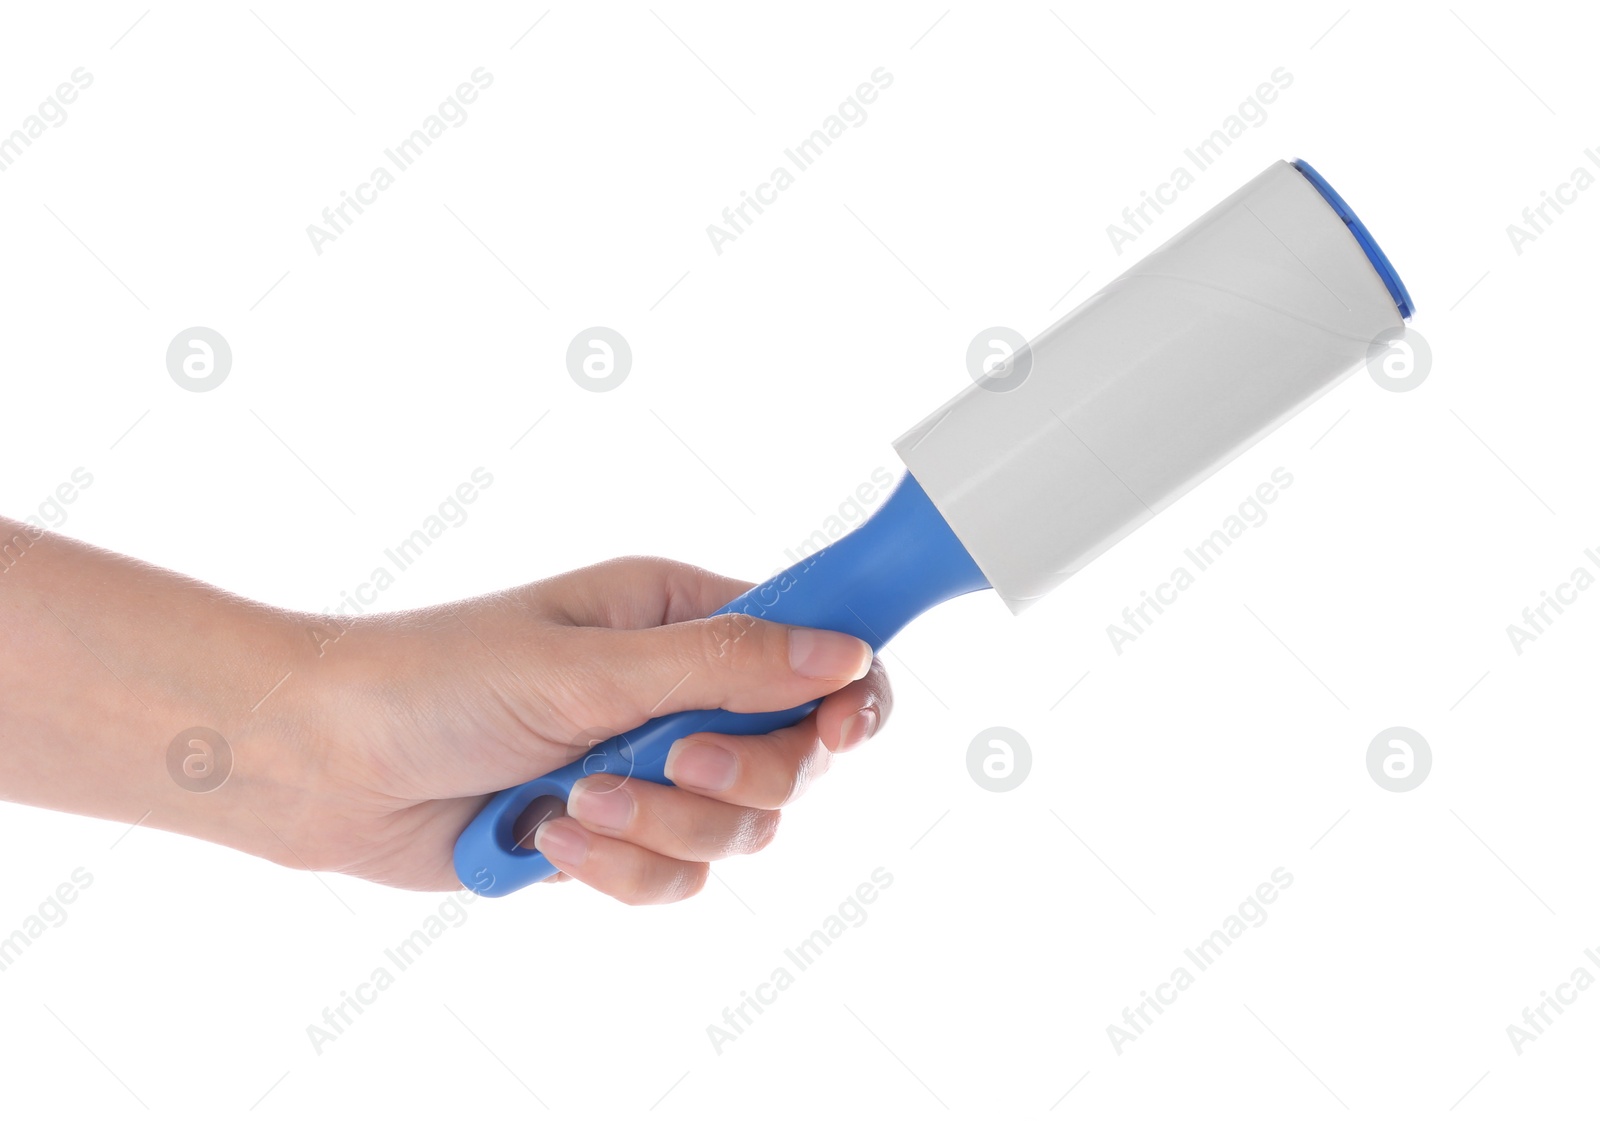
(1190, 356)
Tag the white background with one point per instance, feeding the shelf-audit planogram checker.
(767, 383)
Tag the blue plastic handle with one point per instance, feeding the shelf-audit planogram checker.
(871, 583)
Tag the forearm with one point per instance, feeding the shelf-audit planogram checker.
(104, 661)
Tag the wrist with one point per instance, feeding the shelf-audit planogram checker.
(231, 721)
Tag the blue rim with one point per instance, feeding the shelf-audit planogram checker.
(1380, 262)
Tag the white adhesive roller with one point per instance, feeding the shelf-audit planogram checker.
(1157, 380)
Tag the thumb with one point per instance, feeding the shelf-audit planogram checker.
(733, 662)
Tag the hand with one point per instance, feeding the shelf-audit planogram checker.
(428, 711)
(365, 745)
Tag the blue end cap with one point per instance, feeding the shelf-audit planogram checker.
(1391, 279)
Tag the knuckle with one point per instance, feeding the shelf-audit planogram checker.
(807, 769)
(638, 887)
(633, 887)
(685, 881)
(644, 565)
(733, 641)
(689, 882)
(794, 785)
(758, 830)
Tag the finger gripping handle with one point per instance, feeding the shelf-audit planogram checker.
(871, 583)
(488, 858)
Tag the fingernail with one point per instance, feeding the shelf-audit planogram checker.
(828, 654)
(563, 841)
(701, 766)
(858, 729)
(607, 806)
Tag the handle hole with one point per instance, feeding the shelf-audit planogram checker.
(539, 811)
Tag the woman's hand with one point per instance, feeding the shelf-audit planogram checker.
(431, 710)
(385, 735)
